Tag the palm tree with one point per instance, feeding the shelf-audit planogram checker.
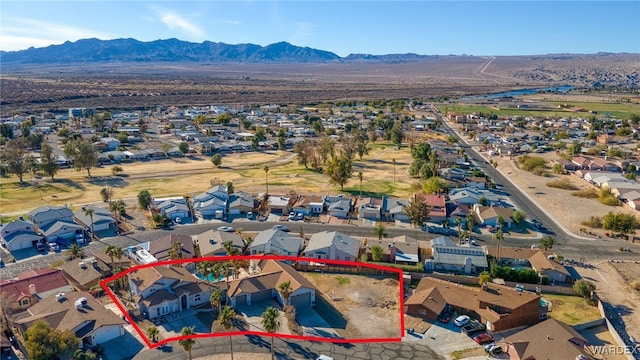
(226, 316)
(89, 212)
(271, 324)
(470, 223)
(380, 232)
(110, 252)
(548, 242)
(499, 236)
(285, 290)
(216, 299)
(75, 251)
(216, 270)
(266, 171)
(376, 253)
(500, 222)
(360, 178)
(204, 268)
(153, 333)
(118, 253)
(187, 343)
(175, 252)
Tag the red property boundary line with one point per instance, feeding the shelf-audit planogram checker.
(151, 345)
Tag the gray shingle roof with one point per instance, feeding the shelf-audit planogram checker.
(325, 239)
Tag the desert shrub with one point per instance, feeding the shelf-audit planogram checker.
(408, 268)
(540, 171)
(593, 222)
(562, 184)
(530, 163)
(585, 289)
(607, 198)
(586, 193)
(636, 286)
(559, 169)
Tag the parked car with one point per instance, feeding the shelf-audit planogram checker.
(462, 320)
(300, 216)
(53, 246)
(292, 215)
(40, 247)
(280, 227)
(473, 327)
(493, 349)
(250, 215)
(225, 228)
(483, 339)
(445, 317)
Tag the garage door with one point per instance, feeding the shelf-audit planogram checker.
(241, 300)
(261, 296)
(301, 301)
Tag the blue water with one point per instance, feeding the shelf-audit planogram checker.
(210, 277)
(514, 93)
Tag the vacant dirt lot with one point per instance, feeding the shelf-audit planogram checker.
(370, 304)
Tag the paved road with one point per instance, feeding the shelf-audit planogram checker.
(572, 246)
(293, 349)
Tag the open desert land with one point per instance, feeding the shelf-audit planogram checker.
(369, 304)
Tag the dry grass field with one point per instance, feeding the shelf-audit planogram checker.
(188, 176)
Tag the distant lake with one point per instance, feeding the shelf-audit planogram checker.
(514, 93)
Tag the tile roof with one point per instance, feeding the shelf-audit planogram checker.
(549, 339)
(430, 298)
(44, 280)
(272, 274)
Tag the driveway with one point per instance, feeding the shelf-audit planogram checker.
(253, 316)
(314, 325)
(443, 339)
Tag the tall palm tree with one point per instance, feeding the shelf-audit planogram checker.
(285, 290)
(110, 252)
(216, 300)
(153, 333)
(216, 270)
(187, 343)
(271, 324)
(376, 253)
(226, 316)
(266, 177)
(175, 253)
(89, 212)
(118, 253)
(360, 178)
(204, 268)
(380, 231)
(499, 236)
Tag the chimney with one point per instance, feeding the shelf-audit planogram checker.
(392, 252)
(32, 289)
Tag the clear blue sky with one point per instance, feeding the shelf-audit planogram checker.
(343, 27)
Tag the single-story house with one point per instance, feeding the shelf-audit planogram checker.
(549, 267)
(102, 219)
(277, 242)
(18, 235)
(332, 245)
(241, 203)
(460, 259)
(309, 205)
(211, 242)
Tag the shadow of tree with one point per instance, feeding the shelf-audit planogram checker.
(112, 181)
(298, 349)
(69, 183)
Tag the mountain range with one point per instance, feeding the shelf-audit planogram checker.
(132, 50)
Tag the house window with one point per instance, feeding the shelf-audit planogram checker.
(24, 302)
(347, 258)
(196, 297)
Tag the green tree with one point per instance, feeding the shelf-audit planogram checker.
(185, 341)
(216, 160)
(223, 119)
(83, 154)
(376, 253)
(622, 223)
(152, 333)
(144, 199)
(519, 216)
(471, 221)
(75, 251)
(225, 319)
(260, 135)
(48, 162)
(585, 289)
(216, 299)
(548, 242)
(360, 178)
(420, 161)
(183, 147)
(90, 212)
(397, 134)
(6, 131)
(380, 231)
(484, 278)
(230, 189)
(271, 324)
(282, 137)
(110, 252)
(83, 355)
(434, 185)
(285, 291)
(116, 170)
(339, 171)
(417, 210)
(106, 193)
(575, 148)
(44, 343)
(17, 158)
